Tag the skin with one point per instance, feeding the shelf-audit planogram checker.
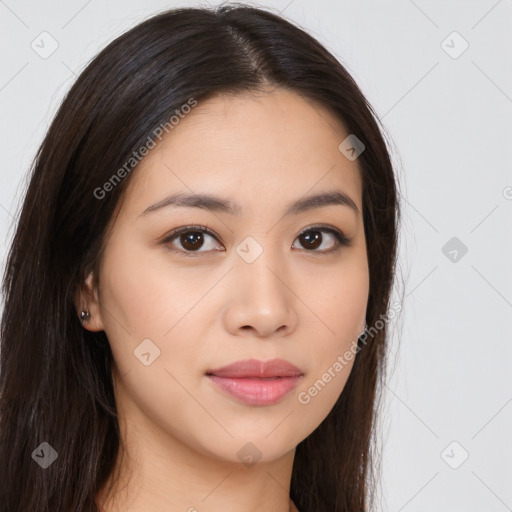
(181, 434)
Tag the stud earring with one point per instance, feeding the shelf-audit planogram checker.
(84, 316)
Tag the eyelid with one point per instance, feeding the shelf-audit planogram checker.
(338, 233)
(341, 239)
(185, 229)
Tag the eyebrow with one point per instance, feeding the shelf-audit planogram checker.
(218, 204)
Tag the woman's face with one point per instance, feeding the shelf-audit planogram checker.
(176, 307)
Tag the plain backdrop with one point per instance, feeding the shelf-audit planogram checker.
(438, 74)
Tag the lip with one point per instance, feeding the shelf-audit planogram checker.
(256, 382)
(257, 369)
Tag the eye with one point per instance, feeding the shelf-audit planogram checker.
(192, 238)
(312, 238)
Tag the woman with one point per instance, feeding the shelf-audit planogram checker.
(210, 225)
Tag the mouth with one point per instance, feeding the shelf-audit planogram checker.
(256, 382)
(255, 368)
(256, 391)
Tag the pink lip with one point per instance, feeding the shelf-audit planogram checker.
(257, 382)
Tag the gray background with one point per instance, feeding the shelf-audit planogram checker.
(448, 117)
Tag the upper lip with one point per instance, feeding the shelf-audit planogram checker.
(256, 368)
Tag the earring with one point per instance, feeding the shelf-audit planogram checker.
(84, 316)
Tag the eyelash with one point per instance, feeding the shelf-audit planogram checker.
(341, 239)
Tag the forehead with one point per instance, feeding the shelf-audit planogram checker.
(267, 144)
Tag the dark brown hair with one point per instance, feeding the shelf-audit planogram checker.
(55, 381)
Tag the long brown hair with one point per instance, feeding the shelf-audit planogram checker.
(55, 381)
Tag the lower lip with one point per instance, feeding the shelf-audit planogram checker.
(254, 391)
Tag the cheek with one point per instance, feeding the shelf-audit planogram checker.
(341, 305)
(332, 360)
(153, 330)
(144, 288)
(319, 393)
(141, 300)
(340, 300)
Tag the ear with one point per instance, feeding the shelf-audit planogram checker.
(87, 299)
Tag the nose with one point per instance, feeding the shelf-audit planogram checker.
(262, 302)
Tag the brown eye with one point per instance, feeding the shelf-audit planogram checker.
(312, 238)
(191, 239)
